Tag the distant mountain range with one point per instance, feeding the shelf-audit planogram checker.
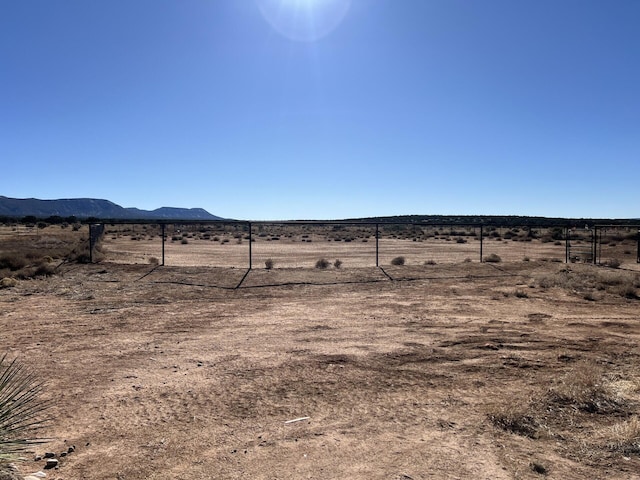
(83, 208)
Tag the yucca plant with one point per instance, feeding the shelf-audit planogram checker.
(22, 411)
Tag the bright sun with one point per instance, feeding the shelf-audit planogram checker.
(304, 20)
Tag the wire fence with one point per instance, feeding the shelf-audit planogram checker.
(304, 244)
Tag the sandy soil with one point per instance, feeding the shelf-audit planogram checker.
(175, 373)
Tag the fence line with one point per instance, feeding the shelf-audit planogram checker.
(583, 245)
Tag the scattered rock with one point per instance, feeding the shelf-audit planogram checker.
(71, 449)
(51, 463)
(49, 455)
(36, 476)
(37, 458)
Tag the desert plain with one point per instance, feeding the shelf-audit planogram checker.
(519, 369)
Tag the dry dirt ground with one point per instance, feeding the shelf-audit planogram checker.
(468, 371)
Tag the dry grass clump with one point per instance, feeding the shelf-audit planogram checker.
(16, 265)
(624, 437)
(516, 418)
(13, 261)
(580, 400)
(493, 258)
(613, 263)
(8, 282)
(585, 388)
(585, 281)
(269, 263)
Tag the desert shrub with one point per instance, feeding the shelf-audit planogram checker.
(461, 240)
(613, 263)
(624, 437)
(154, 261)
(175, 238)
(398, 261)
(21, 409)
(43, 270)
(626, 291)
(81, 253)
(13, 261)
(268, 264)
(515, 418)
(526, 259)
(493, 258)
(585, 388)
(337, 263)
(322, 264)
(521, 294)
(8, 282)
(184, 241)
(430, 262)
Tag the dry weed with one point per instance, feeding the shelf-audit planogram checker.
(624, 437)
(585, 388)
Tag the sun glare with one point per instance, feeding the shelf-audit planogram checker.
(304, 20)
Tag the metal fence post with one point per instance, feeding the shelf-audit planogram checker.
(377, 248)
(162, 227)
(481, 241)
(566, 244)
(250, 247)
(90, 244)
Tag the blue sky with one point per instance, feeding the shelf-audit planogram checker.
(324, 109)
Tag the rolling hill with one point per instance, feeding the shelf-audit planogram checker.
(96, 208)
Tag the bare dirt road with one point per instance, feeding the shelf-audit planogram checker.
(516, 370)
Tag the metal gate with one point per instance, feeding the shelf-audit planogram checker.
(581, 245)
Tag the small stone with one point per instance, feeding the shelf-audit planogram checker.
(63, 454)
(51, 463)
(37, 458)
(71, 449)
(49, 455)
(36, 476)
